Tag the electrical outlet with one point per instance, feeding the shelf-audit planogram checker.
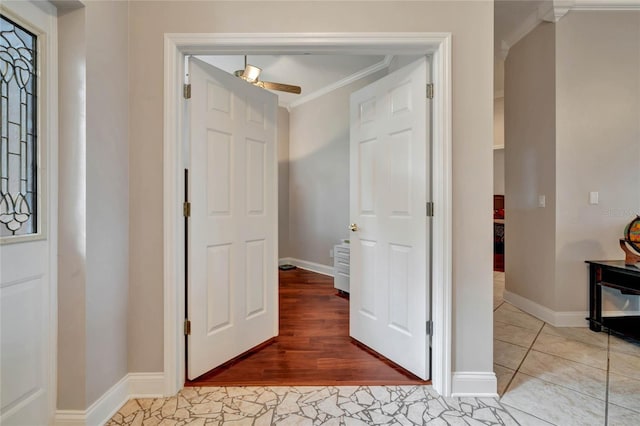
(330, 252)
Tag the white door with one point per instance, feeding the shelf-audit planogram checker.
(390, 181)
(27, 213)
(233, 276)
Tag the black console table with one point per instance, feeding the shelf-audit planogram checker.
(613, 274)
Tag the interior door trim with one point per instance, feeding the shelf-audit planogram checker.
(438, 45)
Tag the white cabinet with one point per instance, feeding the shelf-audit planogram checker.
(341, 254)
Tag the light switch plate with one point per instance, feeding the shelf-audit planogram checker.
(593, 197)
(542, 201)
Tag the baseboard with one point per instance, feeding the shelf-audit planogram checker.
(306, 265)
(133, 385)
(557, 318)
(474, 384)
(146, 385)
(531, 307)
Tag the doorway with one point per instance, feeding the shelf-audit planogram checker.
(437, 45)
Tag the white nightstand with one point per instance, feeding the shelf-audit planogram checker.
(341, 254)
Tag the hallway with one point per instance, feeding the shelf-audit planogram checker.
(313, 348)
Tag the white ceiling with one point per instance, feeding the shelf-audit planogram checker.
(314, 73)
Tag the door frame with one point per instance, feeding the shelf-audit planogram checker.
(178, 45)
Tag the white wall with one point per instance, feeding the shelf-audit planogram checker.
(319, 173)
(471, 24)
(93, 279)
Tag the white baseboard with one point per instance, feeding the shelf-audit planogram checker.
(306, 265)
(133, 385)
(474, 384)
(531, 307)
(557, 318)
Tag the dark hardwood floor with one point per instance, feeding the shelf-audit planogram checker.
(313, 348)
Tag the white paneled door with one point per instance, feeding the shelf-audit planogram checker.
(232, 257)
(27, 212)
(390, 238)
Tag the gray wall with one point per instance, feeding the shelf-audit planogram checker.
(572, 119)
(530, 166)
(94, 202)
(283, 183)
(319, 173)
(471, 24)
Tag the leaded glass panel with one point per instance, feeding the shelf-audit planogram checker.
(18, 151)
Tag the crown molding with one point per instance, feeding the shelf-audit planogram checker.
(555, 10)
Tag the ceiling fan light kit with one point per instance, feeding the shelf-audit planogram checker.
(251, 74)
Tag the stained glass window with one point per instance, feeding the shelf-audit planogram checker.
(18, 128)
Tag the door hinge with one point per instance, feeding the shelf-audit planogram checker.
(187, 327)
(187, 91)
(186, 209)
(430, 208)
(430, 91)
(429, 328)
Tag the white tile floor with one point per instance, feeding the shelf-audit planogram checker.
(546, 376)
(563, 376)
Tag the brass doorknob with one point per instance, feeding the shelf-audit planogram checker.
(353, 227)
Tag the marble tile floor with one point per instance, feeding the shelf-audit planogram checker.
(563, 376)
(546, 376)
(322, 405)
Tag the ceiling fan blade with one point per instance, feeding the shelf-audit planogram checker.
(279, 86)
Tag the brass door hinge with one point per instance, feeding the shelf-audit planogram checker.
(187, 327)
(430, 91)
(186, 209)
(187, 91)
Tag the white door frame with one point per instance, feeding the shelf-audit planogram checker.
(176, 46)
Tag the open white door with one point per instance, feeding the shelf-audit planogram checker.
(232, 258)
(390, 186)
(28, 210)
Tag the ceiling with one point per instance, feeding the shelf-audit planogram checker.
(314, 73)
(509, 16)
(318, 73)
(512, 20)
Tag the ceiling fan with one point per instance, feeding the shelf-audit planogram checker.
(251, 75)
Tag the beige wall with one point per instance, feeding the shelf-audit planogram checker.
(530, 166)
(283, 183)
(471, 24)
(319, 173)
(498, 171)
(498, 141)
(583, 136)
(72, 212)
(598, 146)
(93, 280)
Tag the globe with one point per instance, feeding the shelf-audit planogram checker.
(632, 233)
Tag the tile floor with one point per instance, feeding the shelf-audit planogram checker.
(563, 376)
(546, 376)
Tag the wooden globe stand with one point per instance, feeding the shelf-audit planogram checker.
(631, 256)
